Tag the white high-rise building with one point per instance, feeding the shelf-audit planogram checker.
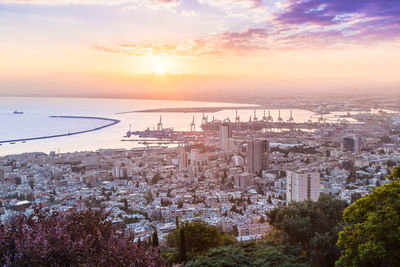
(226, 137)
(302, 185)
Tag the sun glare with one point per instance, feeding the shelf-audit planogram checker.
(158, 68)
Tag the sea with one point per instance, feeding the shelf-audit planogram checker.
(35, 121)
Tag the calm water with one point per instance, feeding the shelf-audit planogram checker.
(36, 122)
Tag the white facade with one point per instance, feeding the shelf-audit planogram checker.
(226, 137)
(302, 185)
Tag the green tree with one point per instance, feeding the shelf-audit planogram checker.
(155, 239)
(395, 175)
(250, 254)
(371, 236)
(182, 245)
(200, 236)
(312, 226)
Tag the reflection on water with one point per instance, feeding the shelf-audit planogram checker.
(36, 122)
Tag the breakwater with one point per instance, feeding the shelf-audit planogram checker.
(110, 122)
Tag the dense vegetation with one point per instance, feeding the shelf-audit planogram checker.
(73, 238)
(251, 254)
(198, 238)
(311, 226)
(371, 236)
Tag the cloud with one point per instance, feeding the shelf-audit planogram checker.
(353, 20)
(227, 43)
(84, 2)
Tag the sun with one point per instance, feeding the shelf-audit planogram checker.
(158, 68)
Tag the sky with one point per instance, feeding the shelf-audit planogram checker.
(180, 48)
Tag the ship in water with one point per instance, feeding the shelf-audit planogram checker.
(18, 112)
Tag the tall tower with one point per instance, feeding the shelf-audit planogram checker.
(302, 185)
(225, 137)
(257, 155)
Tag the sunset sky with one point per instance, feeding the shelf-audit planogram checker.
(130, 47)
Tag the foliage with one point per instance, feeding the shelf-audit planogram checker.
(371, 236)
(395, 175)
(312, 226)
(155, 239)
(73, 238)
(250, 254)
(182, 245)
(200, 236)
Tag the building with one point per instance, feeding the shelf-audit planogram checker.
(253, 229)
(352, 143)
(226, 137)
(257, 155)
(243, 180)
(1, 176)
(197, 161)
(183, 160)
(302, 185)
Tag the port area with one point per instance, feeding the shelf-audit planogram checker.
(110, 122)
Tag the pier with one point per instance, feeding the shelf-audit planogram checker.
(110, 122)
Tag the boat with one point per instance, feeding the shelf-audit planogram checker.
(18, 112)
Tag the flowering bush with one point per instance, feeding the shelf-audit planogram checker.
(73, 238)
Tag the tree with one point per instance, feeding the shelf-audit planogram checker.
(32, 184)
(74, 238)
(200, 236)
(312, 226)
(155, 239)
(17, 180)
(262, 219)
(149, 197)
(182, 245)
(125, 201)
(250, 254)
(371, 236)
(395, 175)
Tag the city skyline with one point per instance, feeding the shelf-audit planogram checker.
(172, 49)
